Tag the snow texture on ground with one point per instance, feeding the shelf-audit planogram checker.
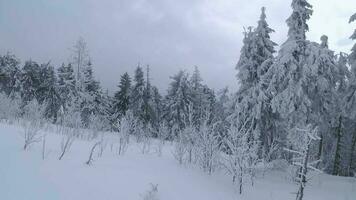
(25, 176)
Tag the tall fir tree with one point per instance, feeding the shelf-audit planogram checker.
(252, 106)
(67, 89)
(147, 110)
(30, 81)
(137, 94)
(90, 95)
(177, 103)
(288, 82)
(122, 97)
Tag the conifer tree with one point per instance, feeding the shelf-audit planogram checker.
(10, 74)
(177, 103)
(67, 89)
(147, 110)
(288, 82)
(122, 97)
(350, 100)
(30, 81)
(137, 94)
(252, 107)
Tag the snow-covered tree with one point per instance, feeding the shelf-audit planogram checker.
(288, 80)
(10, 74)
(197, 97)
(350, 100)
(30, 81)
(147, 110)
(48, 93)
(67, 86)
(122, 97)
(253, 102)
(91, 95)
(157, 106)
(177, 102)
(138, 93)
(9, 107)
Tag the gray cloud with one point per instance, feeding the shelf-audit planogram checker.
(167, 34)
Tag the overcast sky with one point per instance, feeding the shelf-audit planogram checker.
(166, 34)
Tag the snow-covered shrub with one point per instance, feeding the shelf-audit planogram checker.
(162, 135)
(146, 139)
(124, 127)
(241, 157)
(208, 147)
(179, 150)
(32, 123)
(152, 193)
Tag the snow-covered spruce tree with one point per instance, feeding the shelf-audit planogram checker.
(222, 111)
(350, 101)
(67, 86)
(157, 107)
(326, 96)
(302, 142)
(48, 93)
(288, 80)
(30, 81)
(252, 102)
(177, 103)
(90, 95)
(264, 48)
(197, 96)
(10, 74)
(121, 99)
(147, 110)
(137, 94)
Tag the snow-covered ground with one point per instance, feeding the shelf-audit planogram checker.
(25, 176)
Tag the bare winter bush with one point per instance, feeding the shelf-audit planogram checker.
(208, 147)
(179, 150)
(32, 123)
(152, 193)
(125, 126)
(162, 135)
(146, 140)
(241, 157)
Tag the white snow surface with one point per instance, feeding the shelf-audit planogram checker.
(25, 176)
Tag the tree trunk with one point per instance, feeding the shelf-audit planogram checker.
(303, 175)
(320, 150)
(353, 146)
(337, 160)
